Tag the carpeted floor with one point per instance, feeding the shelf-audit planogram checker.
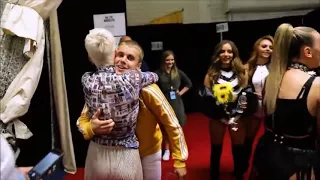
(197, 137)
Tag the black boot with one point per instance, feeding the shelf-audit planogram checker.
(239, 160)
(247, 152)
(215, 161)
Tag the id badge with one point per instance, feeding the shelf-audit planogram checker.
(172, 95)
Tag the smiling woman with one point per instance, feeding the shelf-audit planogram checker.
(170, 80)
(258, 65)
(226, 68)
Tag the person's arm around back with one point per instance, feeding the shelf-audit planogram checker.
(90, 127)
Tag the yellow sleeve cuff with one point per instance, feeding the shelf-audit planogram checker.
(89, 131)
(85, 127)
(179, 164)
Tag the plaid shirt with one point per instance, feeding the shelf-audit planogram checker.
(118, 98)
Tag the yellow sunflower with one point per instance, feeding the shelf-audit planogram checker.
(223, 92)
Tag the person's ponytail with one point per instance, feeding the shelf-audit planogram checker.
(279, 64)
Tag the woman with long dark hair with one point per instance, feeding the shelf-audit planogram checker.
(226, 67)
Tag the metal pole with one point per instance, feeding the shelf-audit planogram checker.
(221, 36)
(52, 108)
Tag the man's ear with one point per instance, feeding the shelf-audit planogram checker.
(115, 53)
(307, 52)
(139, 65)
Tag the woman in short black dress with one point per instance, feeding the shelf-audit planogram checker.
(289, 150)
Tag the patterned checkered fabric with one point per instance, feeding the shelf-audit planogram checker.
(118, 98)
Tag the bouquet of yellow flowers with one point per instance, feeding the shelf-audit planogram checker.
(223, 93)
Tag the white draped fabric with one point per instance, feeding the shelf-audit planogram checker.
(25, 21)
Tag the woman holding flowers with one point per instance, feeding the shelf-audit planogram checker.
(226, 78)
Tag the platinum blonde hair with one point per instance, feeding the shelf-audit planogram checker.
(100, 45)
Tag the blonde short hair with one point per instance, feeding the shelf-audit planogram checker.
(100, 45)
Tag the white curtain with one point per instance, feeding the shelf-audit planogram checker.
(22, 24)
(60, 96)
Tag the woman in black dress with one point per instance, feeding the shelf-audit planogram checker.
(289, 150)
(226, 67)
(170, 81)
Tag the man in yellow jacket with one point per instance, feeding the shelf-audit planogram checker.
(153, 109)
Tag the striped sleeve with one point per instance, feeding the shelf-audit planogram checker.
(158, 104)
